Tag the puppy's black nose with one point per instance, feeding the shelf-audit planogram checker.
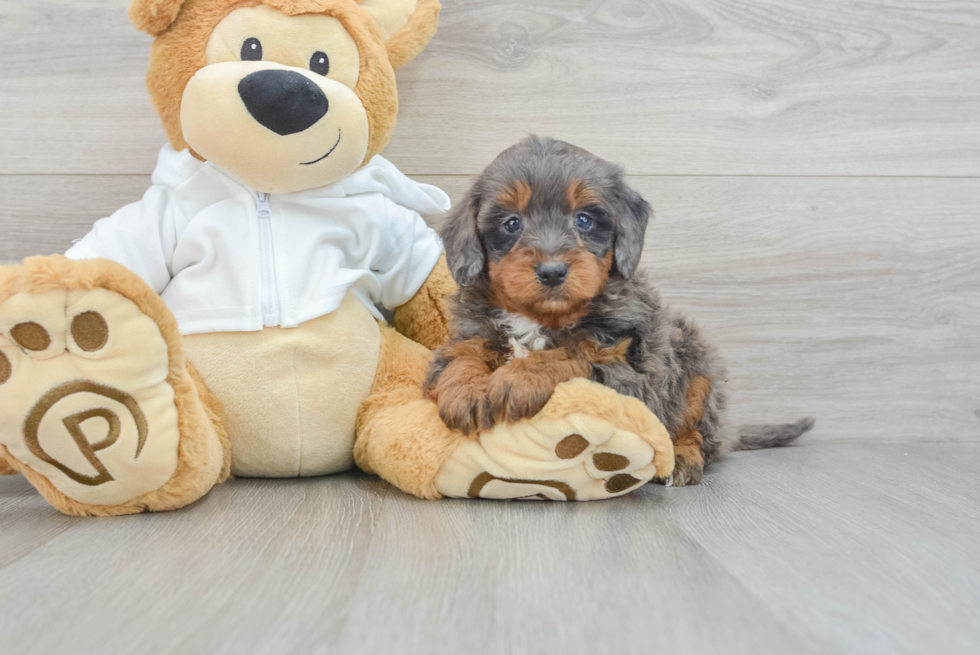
(283, 101)
(552, 274)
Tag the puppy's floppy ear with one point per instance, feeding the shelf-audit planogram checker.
(631, 229)
(407, 26)
(154, 16)
(464, 250)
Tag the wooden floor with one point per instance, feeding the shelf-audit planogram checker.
(846, 547)
(815, 168)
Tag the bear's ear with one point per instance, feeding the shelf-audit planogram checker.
(407, 26)
(154, 16)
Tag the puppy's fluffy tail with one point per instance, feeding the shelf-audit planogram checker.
(754, 437)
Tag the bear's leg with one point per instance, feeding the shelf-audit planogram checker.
(400, 436)
(588, 443)
(98, 408)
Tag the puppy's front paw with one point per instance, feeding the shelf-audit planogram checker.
(512, 394)
(688, 471)
(465, 409)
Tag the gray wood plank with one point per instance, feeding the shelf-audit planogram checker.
(43, 214)
(619, 577)
(821, 547)
(883, 87)
(25, 523)
(856, 548)
(853, 300)
(247, 569)
(868, 548)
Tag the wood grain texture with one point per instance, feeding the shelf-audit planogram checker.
(853, 300)
(253, 564)
(879, 87)
(845, 547)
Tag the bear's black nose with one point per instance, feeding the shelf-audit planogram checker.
(283, 101)
(552, 274)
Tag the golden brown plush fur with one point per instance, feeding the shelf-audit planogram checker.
(399, 434)
(410, 40)
(202, 445)
(424, 318)
(216, 414)
(154, 16)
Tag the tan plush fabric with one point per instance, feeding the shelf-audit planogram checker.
(588, 443)
(425, 318)
(118, 392)
(291, 396)
(411, 39)
(390, 15)
(154, 16)
(6, 469)
(114, 291)
(400, 436)
(215, 412)
(287, 40)
(218, 126)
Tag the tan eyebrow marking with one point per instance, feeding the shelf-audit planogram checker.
(581, 195)
(515, 197)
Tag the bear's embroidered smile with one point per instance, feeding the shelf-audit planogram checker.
(310, 163)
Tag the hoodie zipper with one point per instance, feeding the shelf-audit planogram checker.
(270, 293)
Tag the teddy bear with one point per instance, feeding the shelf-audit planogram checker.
(230, 322)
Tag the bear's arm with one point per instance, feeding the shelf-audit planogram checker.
(425, 318)
(413, 276)
(141, 236)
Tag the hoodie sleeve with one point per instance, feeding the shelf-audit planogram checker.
(411, 251)
(141, 236)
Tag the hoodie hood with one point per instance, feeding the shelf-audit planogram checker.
(174, 168)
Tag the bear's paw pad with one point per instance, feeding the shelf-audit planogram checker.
(84, 396)
(577, 457)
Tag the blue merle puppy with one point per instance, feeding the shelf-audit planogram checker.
(545, 247)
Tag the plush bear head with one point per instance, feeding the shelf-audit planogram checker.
(285, 95)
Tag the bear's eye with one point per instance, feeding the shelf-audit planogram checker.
(320, 63)
(252, 50)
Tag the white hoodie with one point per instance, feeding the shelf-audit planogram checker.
(227, 259)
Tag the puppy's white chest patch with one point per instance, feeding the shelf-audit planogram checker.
(525, 335)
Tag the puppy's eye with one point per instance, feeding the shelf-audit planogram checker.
(513, 224)
(584, 222)
(252, 50)
(320, 63)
